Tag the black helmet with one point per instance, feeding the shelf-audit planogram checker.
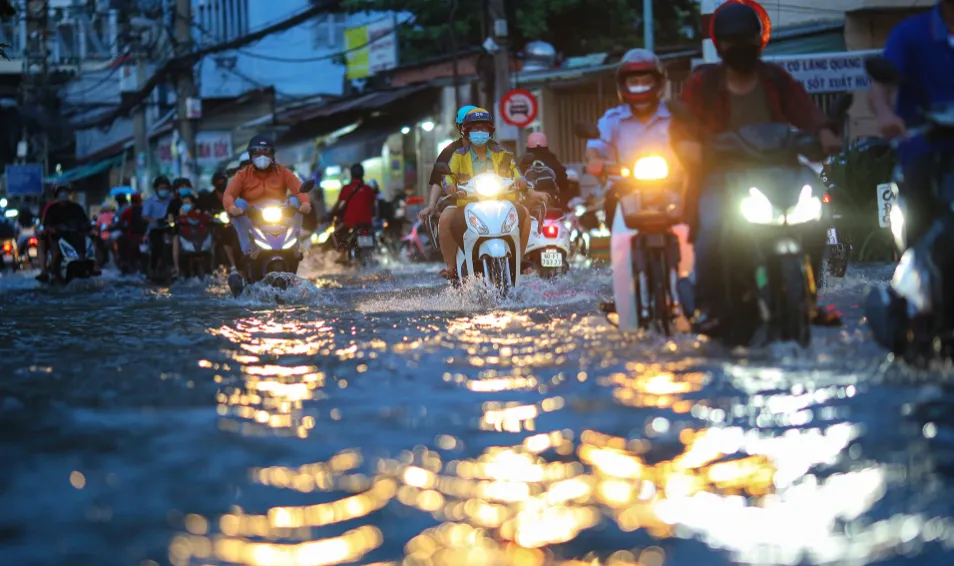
(357, 171)
(736, 21)
(182, 182)
(260, 142)
(161, 180)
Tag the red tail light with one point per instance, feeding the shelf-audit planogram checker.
(7, 247)
(826, 199)
(32, 242)
(551, 230)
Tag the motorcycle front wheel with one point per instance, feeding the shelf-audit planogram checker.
(497, 272)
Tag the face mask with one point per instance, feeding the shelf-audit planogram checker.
(186, 207)
(184, 192)
(742, 57)
(163, 193)
(262, 161)
(479, 138)
(639, 89)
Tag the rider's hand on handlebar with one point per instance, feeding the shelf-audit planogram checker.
(305, 208)
(891, 126)
(831, 143)
(236, 211)
(595, 166)
(425, 213)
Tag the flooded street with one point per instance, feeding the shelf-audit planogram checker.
(383, 417)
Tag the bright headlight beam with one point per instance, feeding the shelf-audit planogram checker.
(272, 214)
(808, 208)
(757, 208)
(896, 220)
(487, 186)
(651, 168)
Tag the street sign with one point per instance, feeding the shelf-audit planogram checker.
(519, 108)
(25, 179)
(887, 198)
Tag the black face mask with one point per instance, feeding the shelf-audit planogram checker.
(742, 57)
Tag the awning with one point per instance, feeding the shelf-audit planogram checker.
(810, 38)
(364, 102)
(87, 170)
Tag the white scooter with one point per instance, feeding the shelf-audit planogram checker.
(492, 239)
(548, 249)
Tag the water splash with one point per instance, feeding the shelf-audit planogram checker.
(284, 289)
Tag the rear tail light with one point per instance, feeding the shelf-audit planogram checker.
(32, 242)
(826, 199)
(551, 231)
(7, 247)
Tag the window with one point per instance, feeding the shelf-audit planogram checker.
(329, 31)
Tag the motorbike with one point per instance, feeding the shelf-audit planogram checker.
(587, 226)
(77, 250)
(418, 245)
(548, 247)
(836, 251)
(644, 247)
(221, 223)
(195, 247)
(492, 238)
(774, 212)
(27, 243)
(162, 273)
(9, 254)
(914, 317)
(361, 242)
(276, 237)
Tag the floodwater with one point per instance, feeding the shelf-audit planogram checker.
(382, 417)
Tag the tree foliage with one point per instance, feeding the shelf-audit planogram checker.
(573, 27)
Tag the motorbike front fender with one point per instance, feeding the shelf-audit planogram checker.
(493, 248)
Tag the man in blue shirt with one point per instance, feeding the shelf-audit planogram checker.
(922, 49)
(154, 210)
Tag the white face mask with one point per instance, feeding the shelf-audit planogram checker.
(262, 161)
(638, 89)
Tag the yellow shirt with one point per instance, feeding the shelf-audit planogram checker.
(462, 164)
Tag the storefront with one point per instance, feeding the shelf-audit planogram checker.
(212, 148)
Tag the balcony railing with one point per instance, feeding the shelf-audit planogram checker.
(72, 38)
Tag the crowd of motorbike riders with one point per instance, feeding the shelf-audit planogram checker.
(739, 91)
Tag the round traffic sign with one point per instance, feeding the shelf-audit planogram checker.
(518, 107)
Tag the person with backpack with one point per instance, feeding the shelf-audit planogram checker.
(741, 90)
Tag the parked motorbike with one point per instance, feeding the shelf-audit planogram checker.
(768, 286)
(75, 260)
(418, 245)
(492, 239)
(914, 317)
(195, 247)
(644, 248)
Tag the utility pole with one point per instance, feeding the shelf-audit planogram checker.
(648, 39)
(498, 27)
(185, 86)
(140, 135)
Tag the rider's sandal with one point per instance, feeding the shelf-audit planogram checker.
(449, 275)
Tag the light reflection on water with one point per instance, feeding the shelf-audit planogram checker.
(761, 472)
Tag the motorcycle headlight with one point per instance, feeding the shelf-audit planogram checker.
(758, 209)
(262, 244)
(476, 224)
(807, 209)
(896, 220)
(290, 241)
(509, 222)
(487, 185)
(272, 214)
(912, 280)
(651, 168)
(323, 237)
(223, 217)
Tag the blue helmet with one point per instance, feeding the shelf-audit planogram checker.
(463, 112)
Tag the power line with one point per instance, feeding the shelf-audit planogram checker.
(172, 65)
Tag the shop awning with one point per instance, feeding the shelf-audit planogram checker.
(811, 38)
(369, 101)
(87, 170)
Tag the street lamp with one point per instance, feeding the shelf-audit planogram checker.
(427, 126)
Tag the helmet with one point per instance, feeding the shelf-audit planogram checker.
(477, 116)
(182, 182)
(463, 112)
(735, 20)
(260, 142)
(537, 139)
(107, 207)
(640, 62)
(161, 180)
(357, 171)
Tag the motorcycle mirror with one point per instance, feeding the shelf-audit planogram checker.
(882, 70)
(586, 131)
(307, 186)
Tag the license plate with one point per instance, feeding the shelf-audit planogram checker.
(832, 236)
(32, 252)
(143, 248)
(551, 259)
(365, 241)
(7, 258)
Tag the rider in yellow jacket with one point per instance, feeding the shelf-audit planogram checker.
(480, 154)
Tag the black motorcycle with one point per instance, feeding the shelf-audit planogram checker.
(160, 268)
(773, 212)
(77, 252)
(914, 317)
